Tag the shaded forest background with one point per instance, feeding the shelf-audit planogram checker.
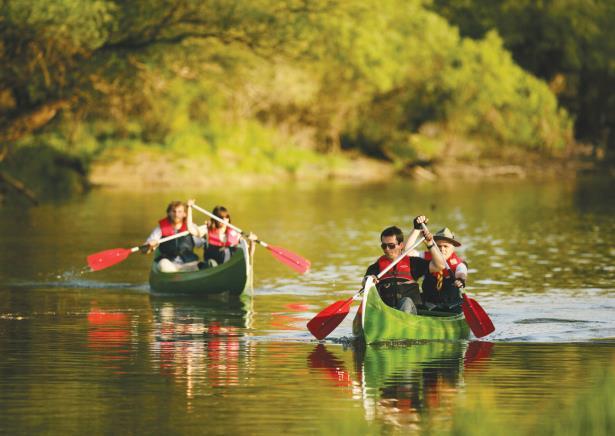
(285, 87)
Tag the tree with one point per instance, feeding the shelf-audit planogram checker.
(569, 43)
(88, 57)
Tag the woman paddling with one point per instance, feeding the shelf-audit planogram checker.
(220, 241)
(177, 254)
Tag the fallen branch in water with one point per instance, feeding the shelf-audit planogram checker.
(19, 186)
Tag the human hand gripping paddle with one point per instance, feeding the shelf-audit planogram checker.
(107, 258)
(330, 317)
(296, 262)
(476, 317)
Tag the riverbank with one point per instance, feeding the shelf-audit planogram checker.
(49, 175)
(149, 171)
(493, 169)
(152, 172)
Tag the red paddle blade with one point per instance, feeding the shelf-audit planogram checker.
(296, 262)
(107, 258)
(329, 318)
(476, 317)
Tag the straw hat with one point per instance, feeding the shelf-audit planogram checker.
(446, 235)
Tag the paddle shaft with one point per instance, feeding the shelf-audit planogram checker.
(220, 220)
(448, 267)
(476, 317)
(107, 258)
(289, 258)
(160, 241)
(329, 318)
(392, 264)
(400, 257)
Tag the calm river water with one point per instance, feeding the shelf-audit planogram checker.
(94, 352)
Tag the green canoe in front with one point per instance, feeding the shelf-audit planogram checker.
(233, 276)
(377, 322)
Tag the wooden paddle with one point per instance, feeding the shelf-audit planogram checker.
(476, 317)
(107, 258)
(296, 262)
(331, 316)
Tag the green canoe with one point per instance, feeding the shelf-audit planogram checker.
(233, 276)
(377, 322)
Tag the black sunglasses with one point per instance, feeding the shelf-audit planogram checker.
(390, 246)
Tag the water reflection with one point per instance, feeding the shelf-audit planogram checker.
(109, 337)
(400, 385)
(200, 343)
(332, 367)
(477, 355)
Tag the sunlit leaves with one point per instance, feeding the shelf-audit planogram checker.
(390, 78)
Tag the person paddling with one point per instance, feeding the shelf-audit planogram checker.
(177, 254)
(221, 241)
(399, 288)
(442, 289)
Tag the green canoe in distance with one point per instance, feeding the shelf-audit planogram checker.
(377, 322)
(233, 276)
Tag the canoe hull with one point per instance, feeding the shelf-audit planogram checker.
(377, 322)
(233, 277)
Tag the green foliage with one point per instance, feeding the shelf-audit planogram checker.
(569, 43)
(264, 86)
(460, 88)
(78, 23)
(493, 98)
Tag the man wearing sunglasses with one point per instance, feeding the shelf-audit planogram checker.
(398, 288)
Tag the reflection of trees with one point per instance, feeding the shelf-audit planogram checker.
(400, 385)
(199, 343)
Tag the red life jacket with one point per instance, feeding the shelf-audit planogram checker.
(453, 262)
(182, 247)
(232, 238)
(401, 270)
(168, 228)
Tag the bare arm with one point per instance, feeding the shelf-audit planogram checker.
(437, 262)
(194, 230)
(411, 240)
(461, 275)
(152, 240)
(414, 234)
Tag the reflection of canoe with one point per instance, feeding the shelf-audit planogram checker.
(400, 384)
(381, 365)
(377, 322)
(233, 276)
